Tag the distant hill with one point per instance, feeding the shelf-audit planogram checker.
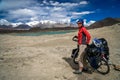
(49, 25)
(5, 26)
(105, 22)
(10, 29)
(118, 19)
(34, 29)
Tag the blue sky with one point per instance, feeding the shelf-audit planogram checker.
(58, 10)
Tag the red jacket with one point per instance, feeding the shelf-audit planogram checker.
(83, 36)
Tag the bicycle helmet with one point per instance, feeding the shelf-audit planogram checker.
(97, 42)
(80, 20)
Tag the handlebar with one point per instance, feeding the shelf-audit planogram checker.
(75, 38)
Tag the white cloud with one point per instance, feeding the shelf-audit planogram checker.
(47, 10)
(82, 13)
(54, 3)
(23, 19)
(12, 4)
(34, 18)
(4, 22)
(57, 9)
(66, 4)
(58, 15)
(45, 2)
(83, 2)
(23, 12)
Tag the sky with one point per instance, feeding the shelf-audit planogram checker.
(23, 11)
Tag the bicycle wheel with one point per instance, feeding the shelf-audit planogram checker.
(103, 67)
(75, 60)
(75, 55)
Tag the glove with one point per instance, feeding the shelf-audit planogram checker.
(75, 36)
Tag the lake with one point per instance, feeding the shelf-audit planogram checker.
(44, 33)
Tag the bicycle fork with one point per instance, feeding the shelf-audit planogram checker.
(103, 56)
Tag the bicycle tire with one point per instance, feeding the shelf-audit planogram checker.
(74, 60)
(104, 63)
(75, 55)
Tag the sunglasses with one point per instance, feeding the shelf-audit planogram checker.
(79, 23)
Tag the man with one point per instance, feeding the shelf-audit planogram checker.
(83, 40)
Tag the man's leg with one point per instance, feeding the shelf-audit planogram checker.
(82, 56)
(80, 62)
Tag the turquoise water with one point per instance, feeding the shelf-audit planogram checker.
(44, 33)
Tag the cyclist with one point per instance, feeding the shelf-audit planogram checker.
(83, 40)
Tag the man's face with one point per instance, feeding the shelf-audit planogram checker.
(79, 24)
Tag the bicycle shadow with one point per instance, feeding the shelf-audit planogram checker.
(71, 63)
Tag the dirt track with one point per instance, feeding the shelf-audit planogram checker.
(48, 57)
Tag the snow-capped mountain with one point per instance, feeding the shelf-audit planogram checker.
(41, 24)
(32, 23)
(22, 27)
(48, 22)
(36, 23)
(16, 24)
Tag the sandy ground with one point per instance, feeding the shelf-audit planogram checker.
(48, 57)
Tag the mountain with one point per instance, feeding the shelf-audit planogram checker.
(16, 24)
(105, 22)
(22, 27)
(39, 25)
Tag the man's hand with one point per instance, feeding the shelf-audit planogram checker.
(75, 38)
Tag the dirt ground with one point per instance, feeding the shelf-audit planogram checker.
(48, 57)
